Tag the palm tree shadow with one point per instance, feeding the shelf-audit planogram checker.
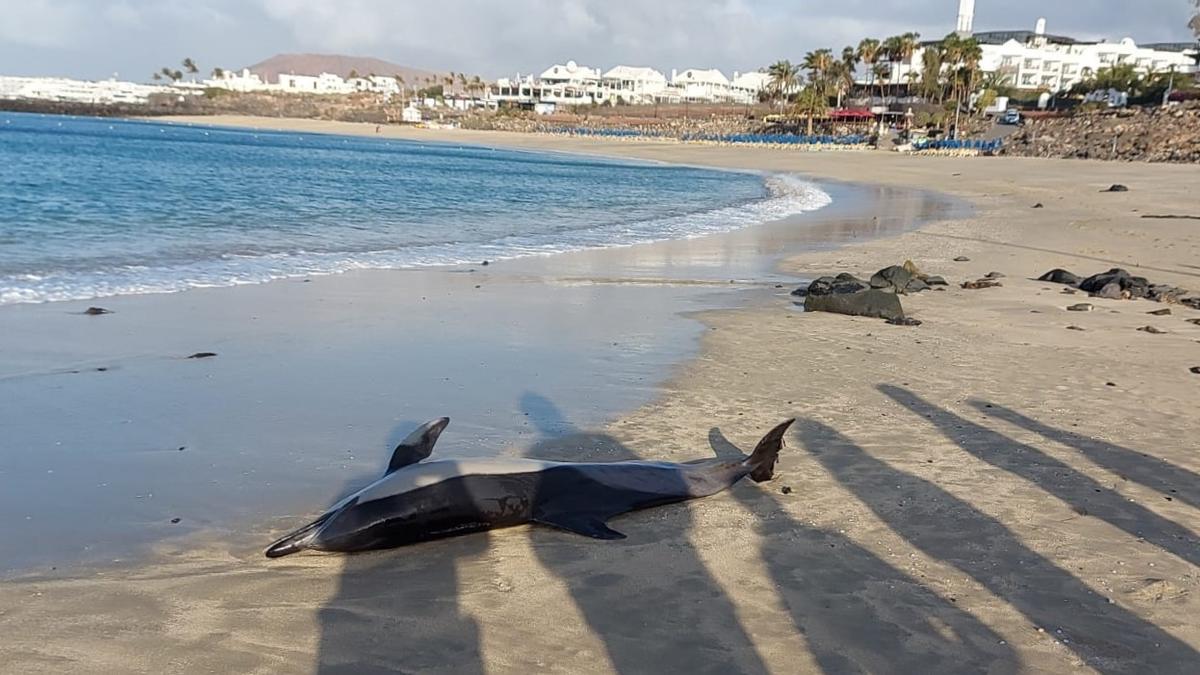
(1105, 636)
(667, 615)
(1157, 474)
(857, 612)
(1083, 493)
(397, 611)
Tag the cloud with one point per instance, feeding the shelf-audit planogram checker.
(42, 23)
(95, 37)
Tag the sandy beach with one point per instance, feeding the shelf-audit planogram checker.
(988, 492)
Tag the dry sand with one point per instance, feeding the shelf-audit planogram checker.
(989, 492)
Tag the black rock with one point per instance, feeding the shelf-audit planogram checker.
(96, 311)
(962, 258)
(485, 263)
(1195, 370)
(905, 321)
(1194, 321)
(872, 302)
(842, 283)
(1116, 187)
(1111, 292)
(1194, 303)
(1152, 330)
(935, 281)
(787, 490)
(1038, 206)
(175, 521)
(1160, 312)
(1164, 293)
(1061, 276)
(993, 275)
(1078, 328)
(916, 286)
(202, 355)
(1081, 307)
(894, 278)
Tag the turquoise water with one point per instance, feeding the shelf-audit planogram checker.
(96, 207)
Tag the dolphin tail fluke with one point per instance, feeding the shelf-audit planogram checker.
(762, 461)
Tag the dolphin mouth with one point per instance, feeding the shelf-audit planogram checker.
(295, 542)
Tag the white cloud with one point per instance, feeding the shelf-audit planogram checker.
(41, 23)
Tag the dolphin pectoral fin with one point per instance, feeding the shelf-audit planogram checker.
(588, 524)
(418, 446)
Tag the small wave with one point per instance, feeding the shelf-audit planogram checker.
(787, 195)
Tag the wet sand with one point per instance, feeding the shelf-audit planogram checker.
(988, 492)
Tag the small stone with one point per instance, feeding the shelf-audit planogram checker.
(935, 280)
(485, 263)
(1110, 384)
(1078, 328)
(96, 311)
(1160, 312)
(981, 284)
(1152, 330)
(1069, 291)
(1081, 307)
(786, 489)
(962, 258)
(203, 355)
(994, 275)
(175, 521)
(1194, 321)
(1195, 371)
(1039, 205)
(904, 321)
(1116, 187)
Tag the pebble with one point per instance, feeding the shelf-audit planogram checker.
(1075, 328)
(1081, 307)
(1152, 330)
(1195, 371)
(1039, 205)
(96, 311)
(203, 355)
(786, 489)
(1160, 312)
(962, 258)
(994, 275)
(175, 521)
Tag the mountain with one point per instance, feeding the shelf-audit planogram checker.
(315, 64)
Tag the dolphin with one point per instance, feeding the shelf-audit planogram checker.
(418, 500)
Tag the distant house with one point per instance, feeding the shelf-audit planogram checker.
(697, 85)
(633, 84)
(412, 115)
(747, 87)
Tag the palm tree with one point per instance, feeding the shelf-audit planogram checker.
(157, 76)
(477, 85)
(891, 50)
(881, 74)
(190, 66)
(1194, 24)
(868, 54)
(785, 77)
(218, 73)
(932, 62)
(841, 78)
(811, 102)
(817, 63)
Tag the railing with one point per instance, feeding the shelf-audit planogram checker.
(982, 146)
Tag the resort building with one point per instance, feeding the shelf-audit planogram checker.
(325, 83)
(634, 85)
(1037, 60)
(244, 81)
(701, 86)
(77, 91)
(748, 87)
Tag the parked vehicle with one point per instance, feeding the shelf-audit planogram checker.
(1011, 116)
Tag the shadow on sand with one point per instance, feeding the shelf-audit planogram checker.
(673, 616)
(397, 611)
(1105, 636)
(858, 613)
(1170, 480)
(1083, 493)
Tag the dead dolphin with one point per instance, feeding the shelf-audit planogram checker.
(419, 500)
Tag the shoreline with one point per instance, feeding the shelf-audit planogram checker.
(991, 423)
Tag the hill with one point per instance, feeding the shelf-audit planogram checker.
(315, 64)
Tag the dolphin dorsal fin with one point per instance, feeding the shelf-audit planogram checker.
(417, 446)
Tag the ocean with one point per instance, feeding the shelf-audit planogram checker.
(98, 207)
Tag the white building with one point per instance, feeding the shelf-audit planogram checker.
(748, 87)
(697, 85)
(325, 83)
(104, 92)
(244, 81)
(634, 85)
(1033, 60)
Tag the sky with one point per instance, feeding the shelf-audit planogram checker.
(493, 38)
